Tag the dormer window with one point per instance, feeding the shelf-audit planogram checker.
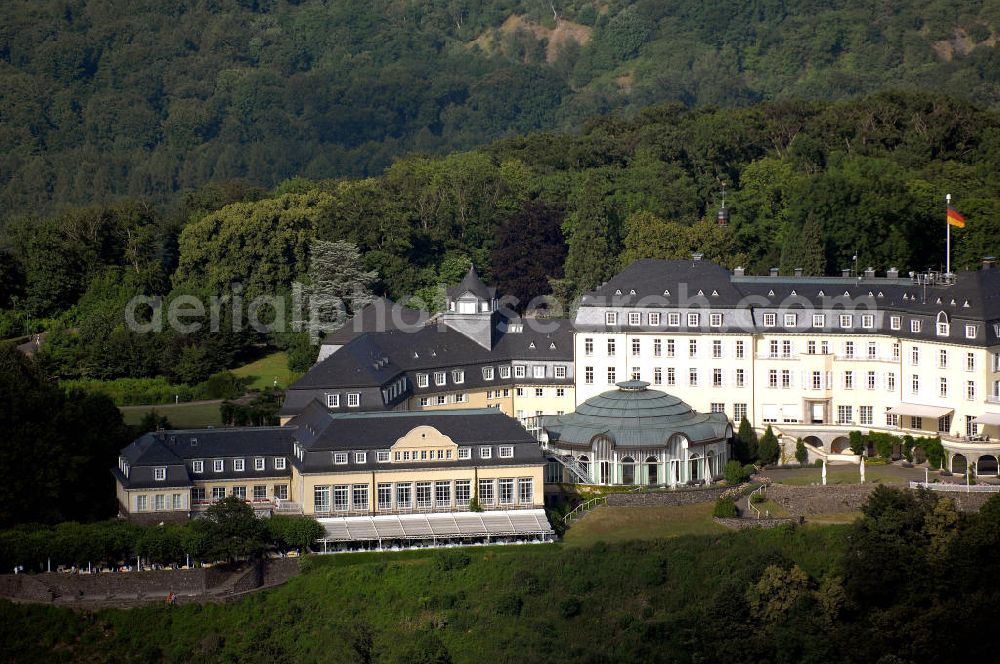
(819, 320)
(487, 373)
(218, 465)
(239, 465)
(673, 319)
(970, 331)
(895, 322)
(538, 371)
(693, 320)
(159, 474)
(198, 466)
(943, 326)
(340, 458)
(440, 378)
(353, 400)
(333, 401)
(715, 320)
(846, 321)
(791, 320)
(279, 463)
(458, 376)
(654, 319)
(519, 371)
(770, 320)
(634, 318)
(611, 317)
(505, 372)
(915, 326)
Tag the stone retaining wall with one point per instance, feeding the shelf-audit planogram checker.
(672, 497)
(807, 500)
(743, 524)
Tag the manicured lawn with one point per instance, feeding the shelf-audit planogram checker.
(888, 474)
(197, 415)
(769, 507)
(618, 524)
(833, 518)
(263, 372)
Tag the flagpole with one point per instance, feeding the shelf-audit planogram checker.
(947, 269)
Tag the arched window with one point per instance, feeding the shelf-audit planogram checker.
(651, 472)
(711, 461)
(943, 324)
(694, 467)
(628, 470)
(584, 463)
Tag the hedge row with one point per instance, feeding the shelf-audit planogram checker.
(142, 391)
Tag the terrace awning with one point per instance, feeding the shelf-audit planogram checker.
(920, 410)
(988, 418)
(444, 525)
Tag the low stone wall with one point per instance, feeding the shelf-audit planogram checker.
(670, 497)
(743, 524)
(967, 502)
(808, 500)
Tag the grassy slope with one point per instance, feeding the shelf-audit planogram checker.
(619, 524)
(266, 369)
(505, 596)
(198, 415)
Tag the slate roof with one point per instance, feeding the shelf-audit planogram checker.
(379, 315)
(471, 283)
(635, 416)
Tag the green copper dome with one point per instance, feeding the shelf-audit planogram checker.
(633, 416)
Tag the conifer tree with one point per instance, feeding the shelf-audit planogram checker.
(745, 446)
(768, 451)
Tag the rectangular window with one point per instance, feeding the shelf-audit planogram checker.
(588, 375)
(525, 491)
(359, 497)
(670, 347)
(159, 474)
(360, 457)
(506, 490)
(943, 329)
(423, 380)
(693, 377)
(519, 371)
(943, 359)
(217, 465)
(321, 499)
(716, 377)
(915, 326)
(895, 352)
(333, 401)
(259, 463)
(382, 456)
(657, 376)
(817, 380)
(970, 390)
(944, 424)
(786, 349)
(442, 399)
(384, 496)
(872, 350)
(739, 350)
(238, 465)
(871, 380)
(218, 493)
(671, 376)
(717, 349)
(442, 494)
(970, 361)
(158, 502)
(425, 401)
(611, 375)
(280, 491)
(506, 452)
(353, 400)
(718, 407)
(895, 322)
(260, 492)
(487, 373)
(486, 492)
(423, 494)
(770, 320)
(440, 378)
(198, 495)
(692, 348)
(404, 495)
(588, 346)
(140, 503)
(654, 319)
(845, 414)
(634, 318)
(279, 463)
(694, 320)
(772, 378)
(610, 318)
(890, 381)
(341, 498)
(505, 372)
(914, 355)
(560, 371)
(786, 378)
(819, 320)
(657, 347)
(636, 347)
(611, 347)
(970, 331)
(867, 321)
(340, 458)
(485, 452)
(560, 391)
(791, 320)
(673, 319)
(810, 348)
(916, 423)
(740, 378)
(865, 415)
(849, 349)
(538, 371)
(943, 387)
(915, 384)
(849, 380)
(739, 412)
(463, 492)
(846, 321)
(715, 320)
(198, 467)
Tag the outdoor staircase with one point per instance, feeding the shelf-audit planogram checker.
(577, 471)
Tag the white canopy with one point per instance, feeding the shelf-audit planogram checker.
(444, 525)
(920, 410)
(988, 418)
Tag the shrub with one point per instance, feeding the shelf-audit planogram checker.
(569, 607)
(736, 473)
(767, 449)
(757, 498)
(725, 508)
(801, 454)
(508, 604)
(749, 470)
(293, 532)
(857, 442)
(447, 561)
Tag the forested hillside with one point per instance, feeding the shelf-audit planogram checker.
(146, 99)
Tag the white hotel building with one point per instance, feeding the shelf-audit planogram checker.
(815, 357)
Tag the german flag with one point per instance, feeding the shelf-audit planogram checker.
(955, 218)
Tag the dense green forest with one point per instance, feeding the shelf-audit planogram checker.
(810, 184)
(146, 99)
(908, 582)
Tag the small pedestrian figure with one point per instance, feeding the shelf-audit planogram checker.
(171, 598)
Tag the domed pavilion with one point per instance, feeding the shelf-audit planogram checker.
(634, 435)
